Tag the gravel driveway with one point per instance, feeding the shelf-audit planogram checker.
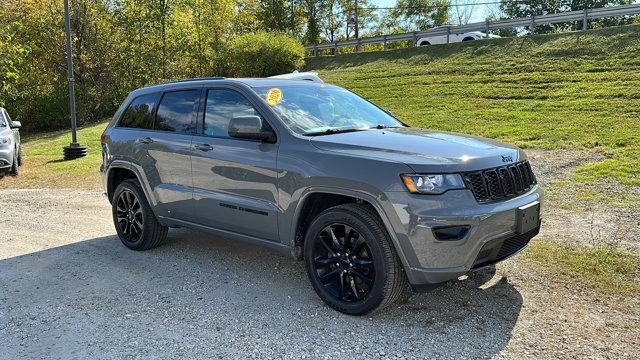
(68, 288)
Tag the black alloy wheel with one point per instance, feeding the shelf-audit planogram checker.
(129, 218)
(343, 262)
(351, 261)
(134, 220)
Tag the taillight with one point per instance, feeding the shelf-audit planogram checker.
(102, 137)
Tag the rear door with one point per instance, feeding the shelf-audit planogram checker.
(165, 152)
(235, 180)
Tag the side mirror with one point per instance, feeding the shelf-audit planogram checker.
(250, 127)
(16, 125)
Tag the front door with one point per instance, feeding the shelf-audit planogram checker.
(234, 180)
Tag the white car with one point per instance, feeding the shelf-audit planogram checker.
(296, 75)
(442, 39)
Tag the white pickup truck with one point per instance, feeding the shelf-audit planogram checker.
(442, 39)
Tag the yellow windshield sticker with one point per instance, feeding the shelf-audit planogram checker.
(274, 96)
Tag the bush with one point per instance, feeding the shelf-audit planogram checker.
(263, 54)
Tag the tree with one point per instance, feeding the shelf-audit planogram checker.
(13, 55)
(246, 18)
(462, 11)
(121, 45)
(420, 14)
(275, 15)
(312, 11)
(541, 7)
(199, 35)
(162, 10)
(333, 20)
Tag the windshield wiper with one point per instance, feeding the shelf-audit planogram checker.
(334, 131)
(346, 130)
(380, 126)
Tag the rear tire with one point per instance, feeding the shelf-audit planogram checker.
(136, 225)
(351, 262)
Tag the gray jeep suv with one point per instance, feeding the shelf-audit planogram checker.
(317, 173)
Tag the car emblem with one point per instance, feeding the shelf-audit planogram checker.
(507, 158)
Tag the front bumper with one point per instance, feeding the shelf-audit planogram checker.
(6, 158)
(492, 226)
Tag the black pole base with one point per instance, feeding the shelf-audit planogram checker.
(75, 151)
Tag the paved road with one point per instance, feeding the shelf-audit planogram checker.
(68, 288)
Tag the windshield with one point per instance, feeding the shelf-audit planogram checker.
(316, 110)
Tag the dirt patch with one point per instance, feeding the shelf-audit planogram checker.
(605, 213)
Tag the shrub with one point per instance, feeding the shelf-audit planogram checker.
(263, 54)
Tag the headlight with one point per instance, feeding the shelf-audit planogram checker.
(5, 141)
(432, 184)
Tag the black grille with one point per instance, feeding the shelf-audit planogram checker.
(500, 183)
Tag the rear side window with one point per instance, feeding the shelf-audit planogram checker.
(221, 107)
(176, 111)
(139, 114)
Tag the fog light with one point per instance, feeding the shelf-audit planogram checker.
(448, 233)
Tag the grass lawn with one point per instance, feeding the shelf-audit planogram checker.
(603, 268)
(44, 166)
(549, 91)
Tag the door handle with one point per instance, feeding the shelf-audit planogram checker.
(204, 147)
(146, 140)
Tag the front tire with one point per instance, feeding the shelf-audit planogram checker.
(135, 223)
(20, 156)
(15, 167)
(351, 262)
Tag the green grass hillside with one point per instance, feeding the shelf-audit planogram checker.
(549, 91)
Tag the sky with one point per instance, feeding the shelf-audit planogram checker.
(480, 13)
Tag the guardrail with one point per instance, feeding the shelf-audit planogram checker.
(530, 21)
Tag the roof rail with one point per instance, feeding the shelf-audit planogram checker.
(194, 79)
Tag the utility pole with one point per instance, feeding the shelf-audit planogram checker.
(74, 150)
(356, 27)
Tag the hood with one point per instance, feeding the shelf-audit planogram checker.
(425, 151)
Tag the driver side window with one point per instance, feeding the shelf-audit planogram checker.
(3, 122)
(221, 107)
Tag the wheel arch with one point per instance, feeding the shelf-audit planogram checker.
(468, 38)
(120, 171)
(305, 213)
